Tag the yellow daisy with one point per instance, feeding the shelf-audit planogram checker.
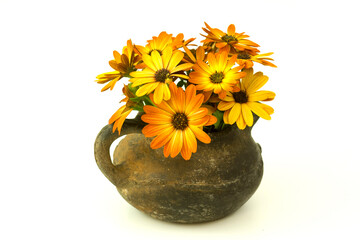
(159, 71)
(247, 60)
(240, 104)
(231, 40)
(218, 75)
(156, 44)
(178, 122)
(123, 64)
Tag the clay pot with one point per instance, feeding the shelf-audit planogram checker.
(218, 179)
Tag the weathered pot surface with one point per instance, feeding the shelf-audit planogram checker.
(218, 179)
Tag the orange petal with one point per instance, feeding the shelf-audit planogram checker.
(200, 121)
(156, 118)
(200, 134)
(212, 120)
(151, 130)
(162, 139)
(176, 143)
(231, 29)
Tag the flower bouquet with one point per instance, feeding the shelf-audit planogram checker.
(186, 91)
(184, 94)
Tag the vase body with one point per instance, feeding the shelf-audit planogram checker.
(218, 179)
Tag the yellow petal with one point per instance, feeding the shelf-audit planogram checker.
(240, 122)
(247, 114)
(258, 109)
(258, 81)
(234, 113)
(223, 106)
(159, 93)
(149, 62)
(261, 96)
(175, 59)
(146, 89)
(157, 60)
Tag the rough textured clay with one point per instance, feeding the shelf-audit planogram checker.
(218, 179)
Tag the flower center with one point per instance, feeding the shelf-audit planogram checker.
(217, 77)
(155, 50)
(240, 97)
(180, 121)
(243, 55)
(161, 75)
(228, 38)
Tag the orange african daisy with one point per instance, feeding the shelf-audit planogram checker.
(194, 55)
(159, 71)
(218, 75)
(247, 60)
(120, 115)
(123, 64)
(178, 122)
(240, 104)
(230, 40)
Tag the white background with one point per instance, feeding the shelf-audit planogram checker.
(52, 110)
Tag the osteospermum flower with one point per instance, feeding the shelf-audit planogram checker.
(156, 44)
(218, 75)
(178, 122)
(159, 72)
(194, 55)
(123, 64)
(120, 115)
(240, 104)
(230, 40)
(247, 60)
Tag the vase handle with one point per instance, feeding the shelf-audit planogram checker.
(102, 148)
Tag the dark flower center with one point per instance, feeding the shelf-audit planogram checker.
(180, 121)
(217, 77)
(228, 38)
(240, 97)
(243, 55)
(155, 50)
(161, 75)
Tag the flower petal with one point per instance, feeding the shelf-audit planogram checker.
(200, 134)
(260, 109)
(162, 139)
(223, 105)
(176, 143)
(234, 113)
(247, 114)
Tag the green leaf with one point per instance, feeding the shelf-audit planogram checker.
(148, 101)
(138, 108)
(219, 115)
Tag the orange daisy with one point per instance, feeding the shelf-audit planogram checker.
(121, 114)
(123, 64)
(178, 122)
(193, 55)
(218, 75)
(231, 40)
(244, 100)
(247, 60)
(159, 71)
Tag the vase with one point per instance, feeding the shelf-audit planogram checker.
(218, 179)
